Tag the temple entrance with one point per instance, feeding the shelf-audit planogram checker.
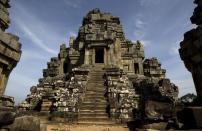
(99, 55)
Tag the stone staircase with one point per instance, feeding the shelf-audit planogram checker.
(93, 109)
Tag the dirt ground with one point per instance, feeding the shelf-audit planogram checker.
(85, 128)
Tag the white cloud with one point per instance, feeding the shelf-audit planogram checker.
(16, 84)
(185, 86)
(31, 55)
(175, 47)
(146, 43)
(39, 32)
(73, 3)
(34, 38)
(139, 34)
(71, 33)
(139, 24)
(174, 50)
(178, 74)
(140, 27)
(148, 3)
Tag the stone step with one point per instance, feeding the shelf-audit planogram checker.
(95, 92)
(92, 108)
(91, 114)
(96, 85)
(96, 95)
(100, 84)
(99, 95)
(95, 100)
(95, 110)
(94, 89)
(106, 122)
(93, 105)
(96, 80)
(93, 118)
(97, 73)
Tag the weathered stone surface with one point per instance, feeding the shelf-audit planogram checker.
(10, 48)
(102, 77)
(6, 118)
(10, 52)
(188, 99)
(191, 117)
(26, 123)
(191, 54)
(190, 49)
(152, 68)
(4, 15)
(155, 110)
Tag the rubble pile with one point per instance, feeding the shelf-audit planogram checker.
(158, 96)
(121, 95)
(53, 96)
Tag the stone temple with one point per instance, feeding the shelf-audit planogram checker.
(102, 81)
(102, 77)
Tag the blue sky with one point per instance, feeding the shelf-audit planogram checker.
(43, 25)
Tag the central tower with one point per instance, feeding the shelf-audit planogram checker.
(101, 40)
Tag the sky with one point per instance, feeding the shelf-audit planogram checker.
(43, 25)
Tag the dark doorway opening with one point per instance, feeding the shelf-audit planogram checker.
(136, 68)
(99, 55)
(65, 67)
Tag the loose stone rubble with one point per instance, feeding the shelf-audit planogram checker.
(102, 61)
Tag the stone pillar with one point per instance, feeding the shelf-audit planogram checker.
(3, 80)
(105, 56)
(93, 56)
(86, 61)
(141, 72)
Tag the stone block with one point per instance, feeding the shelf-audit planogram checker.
(6, 118)
(26, 123)
(191, 117)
